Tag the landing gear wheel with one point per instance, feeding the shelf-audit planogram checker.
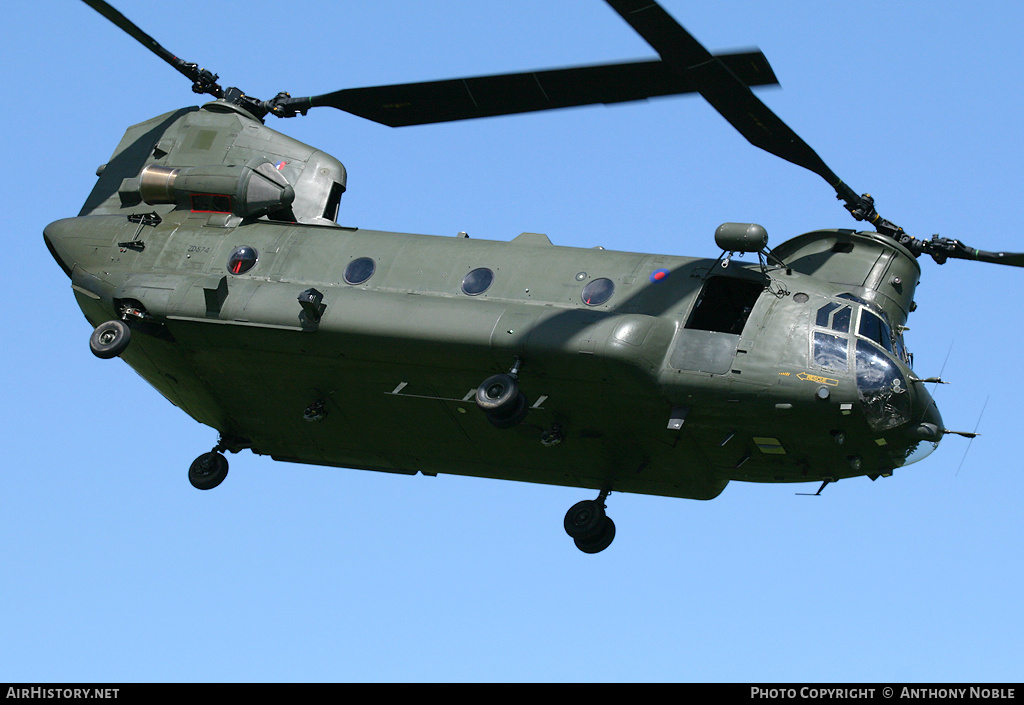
(600, 542)
(110, 339)
(208, 470)
(585, 520)
(497, 394)
(515, 415)
(500, 399)
(588, 525)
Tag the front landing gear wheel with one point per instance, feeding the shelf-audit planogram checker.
(208, 470)
(585, 520)
(500, 399)
(588, 525)
(515, 415)
(110, 339)
(600, 542)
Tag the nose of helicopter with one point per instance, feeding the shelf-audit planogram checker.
(931, 410)
(926, 429)
(57, 236)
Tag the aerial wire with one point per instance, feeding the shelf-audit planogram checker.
(976, 426)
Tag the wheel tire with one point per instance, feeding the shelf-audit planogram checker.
(585, 520)
(208, 471)
(497, 395)
(110, 339)
(514, 416)
(600, 542)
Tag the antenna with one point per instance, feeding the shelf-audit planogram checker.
(972, 436)
(816, 494)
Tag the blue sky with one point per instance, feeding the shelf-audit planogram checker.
(115, 569)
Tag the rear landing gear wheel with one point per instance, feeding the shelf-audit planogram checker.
(110, 339)
(208, 470)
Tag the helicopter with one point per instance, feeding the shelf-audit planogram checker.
(208, 257)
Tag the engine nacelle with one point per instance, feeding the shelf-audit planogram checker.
(248, 191)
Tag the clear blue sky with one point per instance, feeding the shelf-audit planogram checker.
(113, 568)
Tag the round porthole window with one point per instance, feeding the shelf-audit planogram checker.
(477, 281)
(242, 259)
(359, 270)
(598, 291)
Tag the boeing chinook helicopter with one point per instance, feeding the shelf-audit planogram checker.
(208, 257)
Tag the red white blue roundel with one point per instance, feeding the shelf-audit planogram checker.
(658, 274)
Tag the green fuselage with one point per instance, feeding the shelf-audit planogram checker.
(688, 375)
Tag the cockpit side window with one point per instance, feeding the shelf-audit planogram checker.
(834, 316)
(830, 352)
(824, 312)
(874, 328)
(841, 320)
(831, 347)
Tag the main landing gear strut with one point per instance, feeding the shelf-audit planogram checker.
(209, 469)
(587, 524)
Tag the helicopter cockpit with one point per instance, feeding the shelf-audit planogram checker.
(872, 348)
(850, 330)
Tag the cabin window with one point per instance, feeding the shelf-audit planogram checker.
(477, 281)
(242, 259)
(598, 292)
(359, 270)
(725, 304)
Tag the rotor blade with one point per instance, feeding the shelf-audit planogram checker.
(943, 248)
(203, 81)
(1014, 259)
(729, 95)
(505, 94)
